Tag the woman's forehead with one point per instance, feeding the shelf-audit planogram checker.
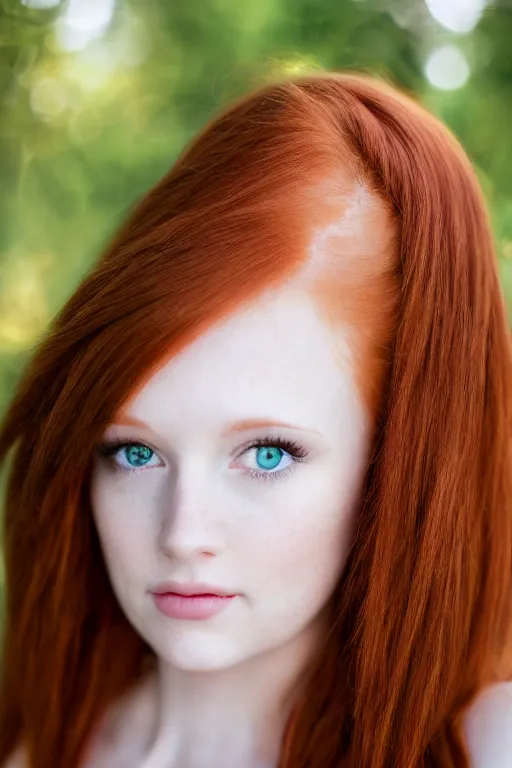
(275, 358)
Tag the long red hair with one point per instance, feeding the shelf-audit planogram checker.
(423, 609)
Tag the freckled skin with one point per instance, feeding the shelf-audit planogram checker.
(196, 513)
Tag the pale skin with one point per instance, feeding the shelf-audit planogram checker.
(202, 507)
(197, 514)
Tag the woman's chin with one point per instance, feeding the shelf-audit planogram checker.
(195, 654)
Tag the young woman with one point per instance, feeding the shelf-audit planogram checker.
(259, 503)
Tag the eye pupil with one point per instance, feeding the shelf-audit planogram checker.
(268, 457)
(138, 455)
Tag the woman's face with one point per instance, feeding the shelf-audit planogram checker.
(243, 471)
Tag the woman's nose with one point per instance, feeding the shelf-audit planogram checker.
(190, 525)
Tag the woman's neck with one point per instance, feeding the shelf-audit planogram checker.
(233, 716)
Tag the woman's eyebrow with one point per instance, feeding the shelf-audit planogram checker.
(124, 420)
(243, 425)
(247, 424)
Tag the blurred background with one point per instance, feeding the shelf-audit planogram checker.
(97, 97)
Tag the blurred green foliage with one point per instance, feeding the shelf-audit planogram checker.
(97, 97)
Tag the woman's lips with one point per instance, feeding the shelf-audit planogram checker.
(199, 606)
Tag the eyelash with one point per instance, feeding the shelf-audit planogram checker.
(297, 452)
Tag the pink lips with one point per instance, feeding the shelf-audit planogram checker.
(190, 601)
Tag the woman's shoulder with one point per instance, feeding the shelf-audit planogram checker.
(488, 727)
(17, 759)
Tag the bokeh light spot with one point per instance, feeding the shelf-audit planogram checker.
(48, 98)
(457, 15)
(82, 22)
(447, 68)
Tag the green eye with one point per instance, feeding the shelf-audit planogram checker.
(268, 457)
(267, 453)
(137, 455)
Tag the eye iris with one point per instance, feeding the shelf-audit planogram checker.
(138, 454)
(268, 457)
